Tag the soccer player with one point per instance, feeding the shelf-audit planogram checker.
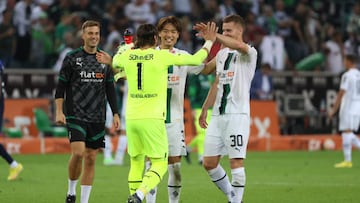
(87, 84)
(228, 130)
(146, 71)
(169, 29)
(348, 100)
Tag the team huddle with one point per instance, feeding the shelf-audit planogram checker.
(154, 106)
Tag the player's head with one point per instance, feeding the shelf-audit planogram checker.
(146, 35)
(350, 61)
(90, 33)
(169, 30)
(233, 26)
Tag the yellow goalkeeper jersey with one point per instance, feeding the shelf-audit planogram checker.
(147, 74)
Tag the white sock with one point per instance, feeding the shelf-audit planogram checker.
(151, 196)
(108, 147)
(219, 177)
(238, 183)
(121, 147)
(72, 187)
(346, 140)
(14, 164)
(85, 193)
(174, 182)
(355, 141)
(140, 194)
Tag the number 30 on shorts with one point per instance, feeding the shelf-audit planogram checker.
(236, 140)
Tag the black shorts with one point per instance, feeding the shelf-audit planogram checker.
(90, 133)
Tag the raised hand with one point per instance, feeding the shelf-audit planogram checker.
(207, 31)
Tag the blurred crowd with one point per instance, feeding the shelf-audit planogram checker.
(38, 33)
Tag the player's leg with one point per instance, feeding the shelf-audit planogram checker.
(94, 141)
(108, 144)
(121, 148)
(174, 180)
(151, 196)
(236, 144)
(15, 167)
(213, 149)
(74, 168)
(155, 147)
(87, 178)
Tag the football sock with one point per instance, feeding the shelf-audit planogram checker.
(121, 147)
(151, 195)
(85, 193)
(136, 173)
(356, 141)
(221, 180)
(14, 164)
(346, 139)
(108, 147)
(238, 183)
(5, 154)
(72, 187)
(174, 182)
(153, 176)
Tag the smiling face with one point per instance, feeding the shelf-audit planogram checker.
(168, 36)
(232, 30)
(91, 37)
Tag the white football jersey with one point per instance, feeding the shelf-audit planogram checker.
(350, 103)
(235, 71)
(176, 88)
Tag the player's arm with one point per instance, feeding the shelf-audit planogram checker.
(209, 35)
(209, 67)
(111, 97)
(60, 90)
(337, 103)
(208, 103)
(232, 43)
(118, 66)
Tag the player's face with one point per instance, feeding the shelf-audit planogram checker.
(168, 36)
(91, 36)
(232, 30)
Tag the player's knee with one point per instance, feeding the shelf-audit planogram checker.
(209, 164)
(159, 166)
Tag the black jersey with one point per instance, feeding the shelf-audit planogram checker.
(86, 82)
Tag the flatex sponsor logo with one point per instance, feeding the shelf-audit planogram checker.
(91, 76)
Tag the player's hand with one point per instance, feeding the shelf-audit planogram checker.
(207, 31)
(103, 57)
(116, 121)
(60, 118)
(330, 114)
(202, 119)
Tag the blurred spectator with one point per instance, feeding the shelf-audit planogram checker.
(261, 86)
(139, 12)
(7, 38)
(58, 9)
(312, 31)
(22, 21)
(185, 41)
(70, 42)
(182, 8)
(353, 25)
(226, 8)
(334, 54)
(267, 20)
(283, 20)
(65, 25)
(273, 52)
(165, 8)
(113, 39)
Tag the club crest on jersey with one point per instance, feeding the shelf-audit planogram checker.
(79, 62)
(103, 66)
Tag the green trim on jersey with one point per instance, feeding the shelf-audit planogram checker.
(75, 51)
(63, 79)
(168, 98)
(226, 87)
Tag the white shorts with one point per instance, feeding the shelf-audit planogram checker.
(176, 138)
(227, 135)
(349, 122)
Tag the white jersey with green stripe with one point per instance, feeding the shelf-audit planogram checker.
(176, 88)
(147, 72)
(235, 71)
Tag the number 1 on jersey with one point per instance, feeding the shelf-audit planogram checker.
(139, 74)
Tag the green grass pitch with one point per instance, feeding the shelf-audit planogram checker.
(279, 177)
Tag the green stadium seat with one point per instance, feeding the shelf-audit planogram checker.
(45, 126)
(12, 132)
